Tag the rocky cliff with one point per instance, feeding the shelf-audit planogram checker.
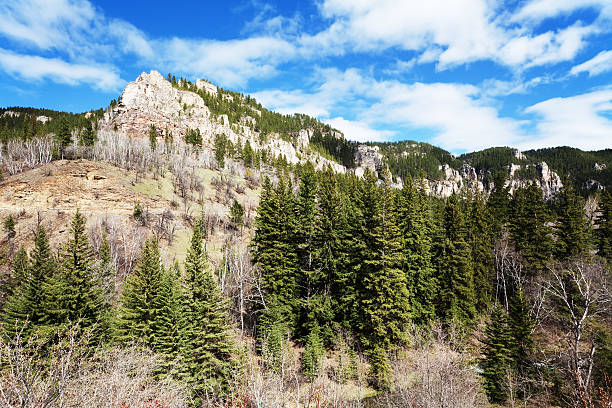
(152, 100)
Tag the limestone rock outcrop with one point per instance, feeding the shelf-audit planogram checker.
(152, 100)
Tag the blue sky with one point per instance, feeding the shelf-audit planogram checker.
(461, 74)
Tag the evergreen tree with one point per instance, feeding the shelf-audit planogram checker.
(455, 270)
(329, 278)
(604, 222)
(209, 345)
(152, 137)
(529, 228)
(481, 243)
(137, 312)
(248, 154)
(19, 272)
(572, 227)
(313, 354)
(63, 136)
(383, 296)
(496, 363)
(9, 226)
(415, 225)
(88, 138)
(26, 303)
(274, 250)
(498, 202)
(74, 295)
(236, 214)
(520, 325)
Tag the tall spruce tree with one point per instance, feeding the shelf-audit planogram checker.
(481, 244)
(498, 202)
(528, 226)
(520, 325)
(309, 279)
(457, 301)
(383, 296)
(414, 219)
(27, 302)
(572, 229)
(74, 295)
(604, 222)
(137, 311)
(208, 342)
(275, 253)
(497, 362)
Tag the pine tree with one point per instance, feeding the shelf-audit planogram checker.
(152, 137)
(455, 270)
(528, 227)
(329, 255)
(19, 272)
(313, 354)
(26, 304)
(383, 296)
(481, 243)
(310, 279)
(604, 222)
(88, 138)
(137, 312)
(572, 229)
(73, 295)
(520, 325)
(248, 154)
(497, 362)
(498, 202)
(63, 137)
(274, 250)
(415, 224)
(208, 343)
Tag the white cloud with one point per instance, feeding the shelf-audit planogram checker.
(537, 10)
(359, 131)
(230, 63)
(449, 33)
(576, 121)
(599, 64)
(37, 68)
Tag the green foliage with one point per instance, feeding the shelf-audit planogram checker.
(380, 375)
(494, 160)
(27, 303)
(415, 219)
(152, 137)
(73, 294)
(137, 213)
(480, 240)
(274, 249)
(604, 223)
(221, 144)
(237, 214)
(208, 346)
(248, 154)
(88, 136)
(383, 296)
(63, 136)
(341, 150)
(498, 203)
(313, 354)
(9, 226)
(572, 229)
(193, 136)
(529, 227)
(455, 269)
(497, 361)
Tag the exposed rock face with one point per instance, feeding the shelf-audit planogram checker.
(368, 157)
(152, 100)
(43, 118)
(454, 180)
(600, 167)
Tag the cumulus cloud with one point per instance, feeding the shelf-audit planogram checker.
(578, 121)
(359, 131)
(599, 64)
(38, 68)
